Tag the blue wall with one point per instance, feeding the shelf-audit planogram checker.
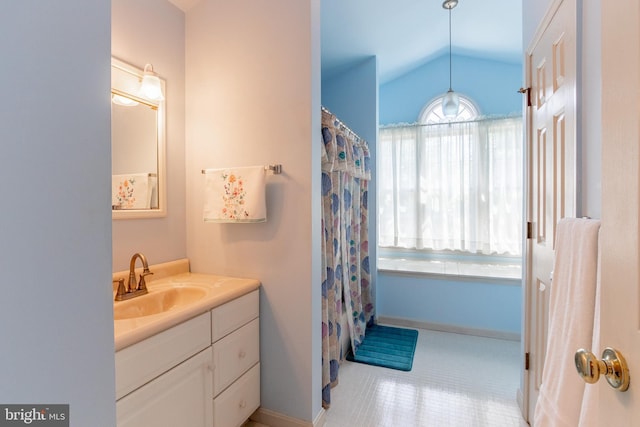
(474, 305)
(492, 85)
(463, 304)
(353, 98)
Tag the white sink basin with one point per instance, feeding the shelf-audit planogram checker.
(174, 298)
(158, 300)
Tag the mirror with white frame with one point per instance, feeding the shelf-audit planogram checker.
(137, 146)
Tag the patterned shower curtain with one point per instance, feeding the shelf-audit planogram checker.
(345, 246)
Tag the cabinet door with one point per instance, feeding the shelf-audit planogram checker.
(180, 397)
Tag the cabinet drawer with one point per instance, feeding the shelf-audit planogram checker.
(235, 354)
(138, 364)
(234, 406)
(230, 316)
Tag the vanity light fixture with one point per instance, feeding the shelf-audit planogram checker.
(451, 101)
(150, 87)
(123, 100)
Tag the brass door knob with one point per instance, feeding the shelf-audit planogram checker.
(612, 366)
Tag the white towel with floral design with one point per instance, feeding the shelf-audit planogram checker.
(132, 191)
(235, 195)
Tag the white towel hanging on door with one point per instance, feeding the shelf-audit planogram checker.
(571, 318)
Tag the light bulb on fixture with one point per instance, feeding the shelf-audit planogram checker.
(451, 100)
(123, 100)
(151, 87)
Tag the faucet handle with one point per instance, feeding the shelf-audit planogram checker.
(142, 285)
(121, 288)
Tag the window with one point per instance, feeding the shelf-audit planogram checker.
(432, 112)
(451, 192)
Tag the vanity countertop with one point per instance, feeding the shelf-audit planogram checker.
(217, 291)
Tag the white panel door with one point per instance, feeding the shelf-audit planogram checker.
(620, 275)
(551, 147)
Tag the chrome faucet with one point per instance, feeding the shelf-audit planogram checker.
(134, 288)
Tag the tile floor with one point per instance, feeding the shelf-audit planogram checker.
(456, 381)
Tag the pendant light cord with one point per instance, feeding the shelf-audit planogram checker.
(450, 49)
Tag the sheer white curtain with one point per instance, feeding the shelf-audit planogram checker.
(454, 186)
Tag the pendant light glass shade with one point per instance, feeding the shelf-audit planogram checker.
(451, 101)
(451, 104)
(151, 87)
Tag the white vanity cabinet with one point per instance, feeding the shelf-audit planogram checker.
(202, 372)
(165, 380)
(235, 352)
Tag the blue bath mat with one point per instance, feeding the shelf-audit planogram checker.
(388, 347)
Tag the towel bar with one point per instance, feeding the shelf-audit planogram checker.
(276, 169)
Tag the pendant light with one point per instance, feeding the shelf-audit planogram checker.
(451, 101)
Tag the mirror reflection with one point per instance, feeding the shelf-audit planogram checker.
(137, 144)
(134, 144)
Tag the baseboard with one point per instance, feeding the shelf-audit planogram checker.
(410, 323)
(276, 419)
(320, 419)
(521, 405)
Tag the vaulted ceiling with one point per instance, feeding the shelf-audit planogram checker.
(405, 34)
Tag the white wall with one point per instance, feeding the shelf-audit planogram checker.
(56, 320)
(153, 31)
(253, 98)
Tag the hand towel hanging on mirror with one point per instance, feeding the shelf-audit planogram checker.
(235, 195)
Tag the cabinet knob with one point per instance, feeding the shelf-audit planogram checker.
(242, 404)
(242, 354)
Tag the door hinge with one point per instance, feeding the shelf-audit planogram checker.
(529, 230)
(526, 90)
(526, 361)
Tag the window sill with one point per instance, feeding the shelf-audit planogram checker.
(509, 273)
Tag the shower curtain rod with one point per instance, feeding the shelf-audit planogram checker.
(342, 125)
